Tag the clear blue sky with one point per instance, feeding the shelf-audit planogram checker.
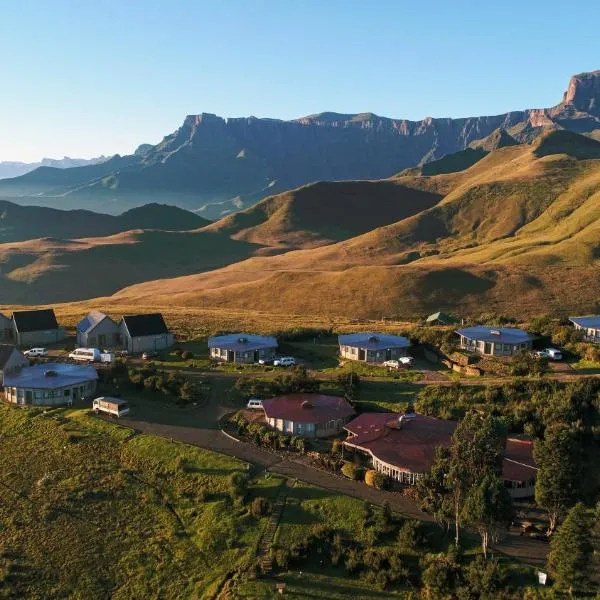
(84, 77)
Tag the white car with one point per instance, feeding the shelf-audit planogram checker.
(284, 361)
(403, 361)
(254, 403)
(35, 352)
(551, 353)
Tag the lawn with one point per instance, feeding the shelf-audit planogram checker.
(88, 512)
(586, 366)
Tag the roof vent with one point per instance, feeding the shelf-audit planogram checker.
(495, 332)
(242, 340)
(373, 339)
(307, 404)
(50, 373)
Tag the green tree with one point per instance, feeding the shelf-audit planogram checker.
(434, 492)
(559, 460)
(570, 561)
(488, 508)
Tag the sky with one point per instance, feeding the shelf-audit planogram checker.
(82, 78)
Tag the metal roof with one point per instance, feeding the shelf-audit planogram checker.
(504, 335)
(90, 321)
(589, 322)
(6, 351)
(241, 342)
(373, 341)
(50, 376)
(142, 325)
(307, 408)
(35, 320)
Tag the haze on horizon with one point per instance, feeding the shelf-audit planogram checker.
(83, 79)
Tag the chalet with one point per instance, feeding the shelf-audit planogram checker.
(307, 415)
(49, 384)
(36, 328)
(590, 326)
(98, 330)
(491, 341)
(145, 333)
(242, 347)
(11, 360)
(372, 347)
(441, 318)
(403, 448)
(6, 329)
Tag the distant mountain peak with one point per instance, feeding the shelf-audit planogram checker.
(584, 92)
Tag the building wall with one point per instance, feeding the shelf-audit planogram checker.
(590, 334)
(493, 348)
(58, 397)
(6, 329)
(40, 338)
(106, 334)
(145, 343)
(308, 430)
(16, 361)
(374, 356)
(246, 357)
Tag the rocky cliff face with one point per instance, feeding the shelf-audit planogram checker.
(218, 165)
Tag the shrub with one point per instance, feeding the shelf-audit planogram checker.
(410, 536)
(351, 471)
(260, 507)
(376, 479)
(178, 352)
(187, 355)
(336, 448)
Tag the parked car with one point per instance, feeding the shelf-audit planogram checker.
(403, 361)
(550, 353)
(36, 352)
(149, 355)
(85, 355)
(254, 403)
(284, 361)
(266, 361)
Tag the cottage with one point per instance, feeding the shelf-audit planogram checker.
(307, 415)
(372, 347)
(590, 326)
(98, 330)
(49, 384)
(441, 318)
(11, 360)
(6, 329)
(145, 333)
(36, 328)
(490, 341)
(403, 448)
(242, 347)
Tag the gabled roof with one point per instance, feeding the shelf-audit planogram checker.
(6, 352)
(35, 320)
(505, 335)
(90, 321)
(141, 325)
(589, 322)
(3, 318)
(241, 342)
(307, 408)
(442, 317)
(373, 341)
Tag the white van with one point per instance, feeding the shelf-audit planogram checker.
(35, 352)
(110, 406)
(284, 361)
(254, 403)
(85, 354)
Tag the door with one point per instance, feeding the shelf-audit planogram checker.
(388, 354)
(102, 340)
(362, 354)
(487, 348)
(230, 356)
(256, 356)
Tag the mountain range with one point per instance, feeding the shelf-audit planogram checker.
(215, 166)
(10, 169)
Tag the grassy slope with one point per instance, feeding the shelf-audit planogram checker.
(84, 512)
(480, 248)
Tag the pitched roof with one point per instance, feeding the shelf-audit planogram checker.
(373, 341)
(141, 325)
(410, 445)
(5, 353)
(589, 322)
(241, 342)
(506, 335)
(3, 318)
(35, 320)
(90, 321)
(50, 376)
(307, 408)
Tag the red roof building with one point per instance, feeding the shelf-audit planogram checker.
(308, 415)
(403, 447)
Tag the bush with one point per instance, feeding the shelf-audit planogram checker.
(260, 507)
(178, 352)
(187, 355)
(376, 479)
(352, 471)
(410, 536)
